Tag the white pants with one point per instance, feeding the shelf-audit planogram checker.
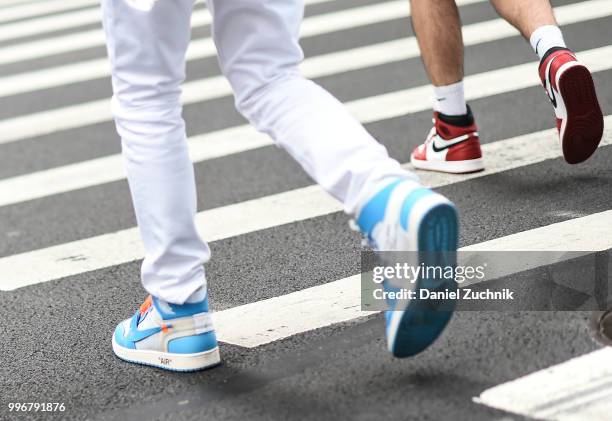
(257, 43)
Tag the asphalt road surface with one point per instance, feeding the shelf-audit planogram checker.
(65, 282)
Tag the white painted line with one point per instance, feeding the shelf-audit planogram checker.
(369, 109)
(297, 205)
(317, 66)
(573, 233)
(11, 3)
(204, 47)
(270, 320)
(495, 82)
(7, 3)
(277, 318)
(55, 76)
(51, 23)
(243, 138)
(111, 168)
(29, 10)
(577, 390)
(75, 19)
(51, 46)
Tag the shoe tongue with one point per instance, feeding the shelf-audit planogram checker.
(148, 319)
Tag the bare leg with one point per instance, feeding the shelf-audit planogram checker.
(567, 82)
(438, 30)
(525, 15)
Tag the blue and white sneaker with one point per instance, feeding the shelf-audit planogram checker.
(169, 336)
(405, 216)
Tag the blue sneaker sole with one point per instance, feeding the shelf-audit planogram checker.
(423, 321)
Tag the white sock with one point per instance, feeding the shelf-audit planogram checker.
(450, 99)
(546, 37)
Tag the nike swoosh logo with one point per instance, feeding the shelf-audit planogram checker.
(458, 141)
(139, 335)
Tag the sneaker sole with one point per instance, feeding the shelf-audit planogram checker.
(169, 361)
(583, 127)
(422, 321)
(452, 167)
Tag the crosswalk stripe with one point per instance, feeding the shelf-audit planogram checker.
(270, 320)
(75, 19)
(374, 108)
(513, 78)
(11, 3)
(317, 66)
(243, 138)
(51, 46)
(577, 389)
(228, 221)
(96, 3)
(111, 168)
(473, 34)
(281, 317)
(204, 47)
(49, 23)
(29, 10)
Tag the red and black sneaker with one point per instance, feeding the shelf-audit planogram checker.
(452, 146)
(570, 88)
